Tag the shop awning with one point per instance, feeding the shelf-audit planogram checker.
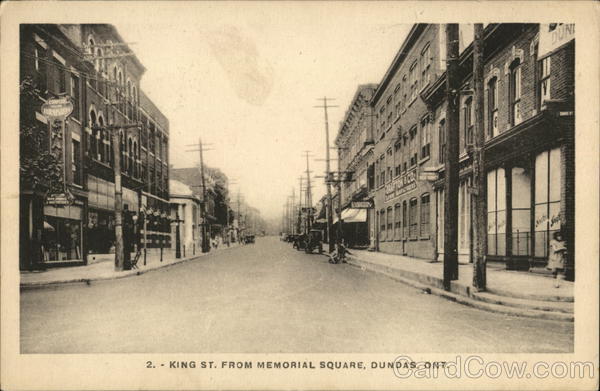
(351, 215)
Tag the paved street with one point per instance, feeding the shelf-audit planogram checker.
(268, 297)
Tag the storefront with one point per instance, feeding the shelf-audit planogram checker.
(62, 240)
(355, 225)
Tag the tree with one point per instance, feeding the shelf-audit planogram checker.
(40, 168)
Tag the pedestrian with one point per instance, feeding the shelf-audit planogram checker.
(339, 254)
(556, 258)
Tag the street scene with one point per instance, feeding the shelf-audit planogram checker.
(268, 297)
(209, 197)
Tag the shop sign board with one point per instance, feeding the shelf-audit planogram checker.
(60, 199)
(361, 205)
(553, 36)
(401, 185)
(57, 108)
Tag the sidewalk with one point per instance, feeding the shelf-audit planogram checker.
(512, 292)
(104, 270)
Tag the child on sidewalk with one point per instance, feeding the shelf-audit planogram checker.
(556, 258)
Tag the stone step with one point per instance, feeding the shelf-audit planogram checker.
(540, 305)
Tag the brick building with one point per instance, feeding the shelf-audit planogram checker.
(529, 148)
(355, 143)
(95, 68)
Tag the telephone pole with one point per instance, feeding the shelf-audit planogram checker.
(299, 223)
(478, 221)
(201, 149)
(451, 161)
(308, 194)
(328, 179)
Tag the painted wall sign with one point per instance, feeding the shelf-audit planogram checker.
(553, 36)
(401, 185)
(361, 204)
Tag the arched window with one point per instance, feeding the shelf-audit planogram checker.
(94, 139)
(122, 151)
(515, 92)
(493, 107)
(130, 156)
(412, 218)
(101, 138)
(135, 159)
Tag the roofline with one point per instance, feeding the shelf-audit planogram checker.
(412, 35)
(137, 61)
(359, 90)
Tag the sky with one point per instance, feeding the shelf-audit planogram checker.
(245, 78)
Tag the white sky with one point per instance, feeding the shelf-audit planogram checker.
(246, 77)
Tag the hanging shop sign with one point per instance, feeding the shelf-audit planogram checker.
(57, 108)
(361, 205)
(401, 185)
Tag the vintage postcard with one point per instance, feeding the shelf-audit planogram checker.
(306, 195)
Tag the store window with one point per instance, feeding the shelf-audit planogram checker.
(404, 220)
(412, 218)
(397, 221)
(515, 93)
(425, 213)
(493, 107)
(496, 212)
(547, 199)
(521, 210)
(61, 239)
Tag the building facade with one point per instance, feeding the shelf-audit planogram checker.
(186, 217)
(355, 146)
(95, 68)
(529, 147)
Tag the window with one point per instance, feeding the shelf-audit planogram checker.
(412, 218)
(76, 161)
(425, 138)
(381, 224)
(464, 214)
(95, 135)
(404, 220)
(544, 80)
(130, 156)
(425, 65)
(515, 93)
(413, 146)
(101, 136)
(442, 137)
(493, 107)
(496, 212)
(413, 80)
(425, 213)
(390, 225)
(547, 199)
(520, 210)
(397, 221)
(381, 171)
(41, 65)
(75, 95)
(389, 163)
(122, 152)
(468, 122)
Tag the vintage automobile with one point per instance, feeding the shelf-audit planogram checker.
(249, 239)
(314, 240)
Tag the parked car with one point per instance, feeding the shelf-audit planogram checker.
(314, 240)
(249, 239)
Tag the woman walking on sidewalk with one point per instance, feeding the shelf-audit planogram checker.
(556, 258)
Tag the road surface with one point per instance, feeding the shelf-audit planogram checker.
(268, 297)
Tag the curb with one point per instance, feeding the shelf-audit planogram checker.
(128, 273)
(461, 294)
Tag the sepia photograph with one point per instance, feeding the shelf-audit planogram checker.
(327, 188)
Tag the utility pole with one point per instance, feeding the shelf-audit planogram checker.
(201, 149)
(299, 224)
(328, 179)
(451, 162)
(340, 231)
(114, 134)
(478, 220)
(308, 195)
